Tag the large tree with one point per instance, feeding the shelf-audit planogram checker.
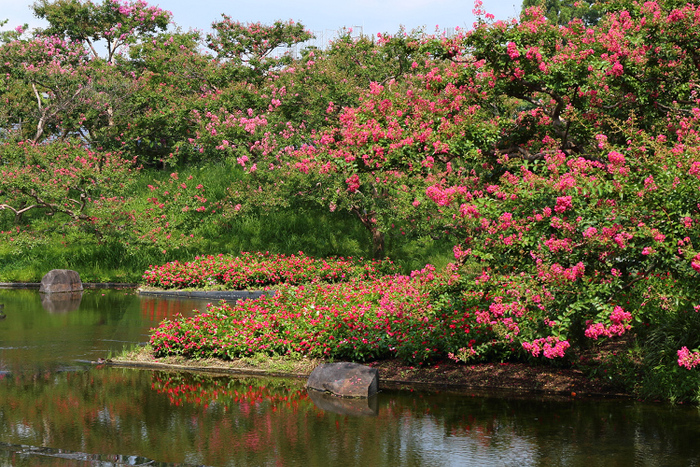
(253, 49)
(118, 24)
(44, 84)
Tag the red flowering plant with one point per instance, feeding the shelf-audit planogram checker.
(259, 270)
(66, 180)
(357, 320)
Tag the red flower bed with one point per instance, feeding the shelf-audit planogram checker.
(258, 270)
(358, 320)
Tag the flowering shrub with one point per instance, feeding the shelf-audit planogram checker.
(358, 320)
(64, 178)
(257, 270)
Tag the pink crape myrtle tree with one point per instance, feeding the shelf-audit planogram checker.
(117, 23)
(65, 181)
(584, 222)
(568, 180)
(255, 48)
(368, 160)
(43, 81)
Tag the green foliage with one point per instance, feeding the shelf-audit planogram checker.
(564, 11)
(249, 47)
(64, 179)
(116, 23)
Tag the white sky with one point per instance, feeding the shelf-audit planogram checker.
(323, 17)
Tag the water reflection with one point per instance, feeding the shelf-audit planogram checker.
(355, 407)
(156, 309)
(52, 331)
(61, 302)
(219, 420)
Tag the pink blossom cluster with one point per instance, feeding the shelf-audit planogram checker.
(619, 323)
(550, 347)
(688, 359)
(695, 262)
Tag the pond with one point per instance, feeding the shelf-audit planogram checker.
(56, 408)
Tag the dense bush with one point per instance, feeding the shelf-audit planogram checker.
(357, 320)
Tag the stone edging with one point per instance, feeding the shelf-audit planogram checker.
(202, 369)
(232, 296)
(384, 383)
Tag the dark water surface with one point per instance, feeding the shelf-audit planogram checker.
(56, 409)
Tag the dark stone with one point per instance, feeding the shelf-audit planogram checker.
(345, 379)
(365, 407)
(61, 302)
(61, 280)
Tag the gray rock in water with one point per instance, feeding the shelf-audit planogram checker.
(345, 379)
(61, 280)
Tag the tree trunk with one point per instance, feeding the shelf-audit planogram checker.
(377, 243)
(19, 212)
(377, 235)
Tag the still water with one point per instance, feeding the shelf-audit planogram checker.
(58, 409)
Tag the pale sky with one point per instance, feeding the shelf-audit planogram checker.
(324, 18)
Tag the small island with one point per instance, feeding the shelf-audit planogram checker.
(308, 311)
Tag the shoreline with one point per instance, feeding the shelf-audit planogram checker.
(502, 379)
(506, 379)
